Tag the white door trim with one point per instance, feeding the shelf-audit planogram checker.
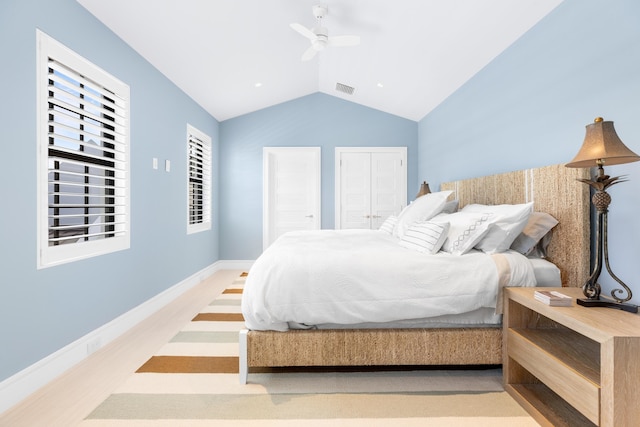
(402, 151)
(266, 185)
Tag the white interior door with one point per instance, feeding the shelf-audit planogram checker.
(370, 185)
(291, 191)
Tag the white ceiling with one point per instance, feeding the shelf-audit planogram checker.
(420, 51)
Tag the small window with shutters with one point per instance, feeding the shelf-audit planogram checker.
(199, 185)
(83, 157)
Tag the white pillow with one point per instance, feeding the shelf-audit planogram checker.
(538, 226)
(465, 230)
(389, 224)
(425, 237)
(422, 209)
(507, 223)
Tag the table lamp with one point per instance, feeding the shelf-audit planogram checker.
(424, 189)
(603, 146)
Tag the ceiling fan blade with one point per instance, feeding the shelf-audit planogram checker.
(344, 40)
(303, 30)
(309, 53)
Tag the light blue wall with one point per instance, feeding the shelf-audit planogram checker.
(316, 120)
(529, 107)
(41, 311)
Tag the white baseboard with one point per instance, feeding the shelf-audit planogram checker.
(236, 264)
(30, 379)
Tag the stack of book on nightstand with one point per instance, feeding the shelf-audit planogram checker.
(553, 298)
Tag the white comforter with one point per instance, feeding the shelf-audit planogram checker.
(360, 276)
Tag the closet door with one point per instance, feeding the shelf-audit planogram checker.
(370, 185)
(388, 186)
(355, 189)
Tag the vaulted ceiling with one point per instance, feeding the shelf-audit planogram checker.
(238, 56)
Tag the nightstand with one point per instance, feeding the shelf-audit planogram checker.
(571, 366)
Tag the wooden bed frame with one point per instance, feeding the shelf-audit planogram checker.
(553, 189)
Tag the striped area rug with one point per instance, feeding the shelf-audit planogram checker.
(193, 381)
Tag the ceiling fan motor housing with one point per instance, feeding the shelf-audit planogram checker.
(322, 38)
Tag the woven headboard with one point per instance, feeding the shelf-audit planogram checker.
(552, 189)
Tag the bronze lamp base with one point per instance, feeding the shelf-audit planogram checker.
(587, 302)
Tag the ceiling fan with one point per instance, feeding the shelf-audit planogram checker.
(319, 36)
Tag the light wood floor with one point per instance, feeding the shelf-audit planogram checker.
(71, 397)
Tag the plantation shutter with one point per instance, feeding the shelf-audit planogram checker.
(87, 159)
(199, 179)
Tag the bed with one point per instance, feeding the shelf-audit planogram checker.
(390, 342)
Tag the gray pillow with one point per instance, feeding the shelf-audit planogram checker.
(539, 225)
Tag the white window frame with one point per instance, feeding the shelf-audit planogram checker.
(88, 152)
(199, 167)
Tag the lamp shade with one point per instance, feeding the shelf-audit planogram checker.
(424, 189)
(602, 146)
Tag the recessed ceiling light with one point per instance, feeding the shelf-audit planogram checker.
(258, 84)
(380, 85)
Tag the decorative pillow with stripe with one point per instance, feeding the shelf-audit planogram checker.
(389, 224)
(425, 236)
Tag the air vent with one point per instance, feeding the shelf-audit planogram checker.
(344, 88)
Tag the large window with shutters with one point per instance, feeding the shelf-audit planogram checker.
(199, 180)
(83, 157)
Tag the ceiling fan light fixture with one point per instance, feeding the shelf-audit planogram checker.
(319, 45)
